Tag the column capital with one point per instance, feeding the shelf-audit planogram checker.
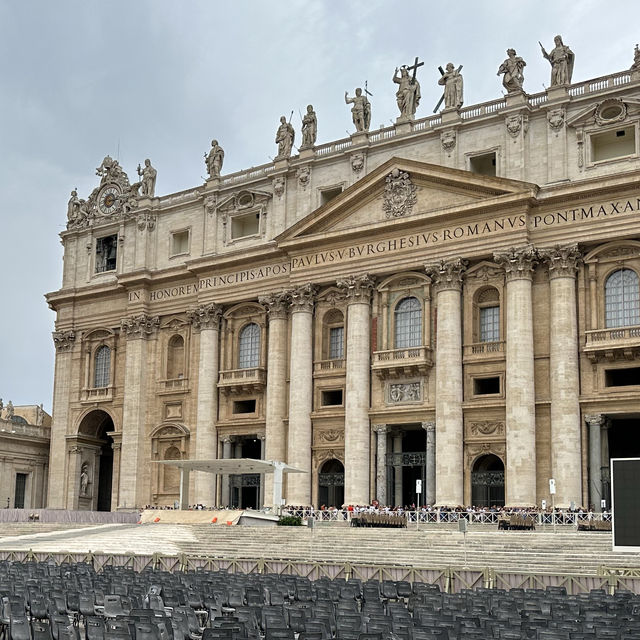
(596, 419)
(228, 439)
(563, 260)
(140, 326)
(517, 262)
(447, 274)
(429, 426)
(276, 304)
(380, 429)
(63, 340)
(357, 289)
(205, 316)
(303, 298)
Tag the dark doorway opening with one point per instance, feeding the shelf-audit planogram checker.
(245, 488)
(623, 441)
(487, 482)
(97, 425)
(331, 484)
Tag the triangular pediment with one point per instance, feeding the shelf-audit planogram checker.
(405, 192)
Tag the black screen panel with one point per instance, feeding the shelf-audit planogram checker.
(625, 476)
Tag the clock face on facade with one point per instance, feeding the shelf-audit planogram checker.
(108, 199)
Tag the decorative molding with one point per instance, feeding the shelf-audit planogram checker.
(486, 428)
(140, 326)
(381, 429)
(322, 455)
(279, 185)
(357, 289)
(330, 436)
(516, 123)
(485, 272)
(429, 426)
(556, 118)
(595, 419)
(447, 274)
(304, 176)
(146, 221)
(563, 261)
(63, 340)
(448, 140)
(518, 263)
(399, 194)
(206, 316)
(276, 304)
(210, 204)
(610, 111)
(403, 392)
(357, 162)
(475, 450)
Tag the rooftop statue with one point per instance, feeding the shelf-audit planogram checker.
(512, 71)
(148, 179)
(214, 160)
(361, 110)
(284, 139)
(452, 82)
(309, 128)
(408, 93)
(561, 60)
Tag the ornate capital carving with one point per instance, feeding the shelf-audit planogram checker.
(276, 304)
(429, 426)
(63, 340)
(447, 274)
(303, 298)
(399, 194)
(356, 289)
(381, 429)
(206, 316)
(595, 419)
(562, 260)
(141, 326)
(518, 263)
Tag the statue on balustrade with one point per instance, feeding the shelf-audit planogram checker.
(512, 72)
(561, 59)
(214, 160)
(284, 139)
(309, 128)
(361, 110)
(452, 81)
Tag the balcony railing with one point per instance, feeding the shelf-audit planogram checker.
(241, 380)
(174, 384)
(396, 362)
(97, 394)
(613, 343)
(483, 350)
(329, 367)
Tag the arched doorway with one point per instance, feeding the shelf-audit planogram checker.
(331, 484)
(96, 469)
(487, 482)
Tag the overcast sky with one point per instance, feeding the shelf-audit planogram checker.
(159, 79)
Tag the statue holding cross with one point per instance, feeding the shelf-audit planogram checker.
(452, 82)
(408, 94)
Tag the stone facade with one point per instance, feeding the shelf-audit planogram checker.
(407, 303)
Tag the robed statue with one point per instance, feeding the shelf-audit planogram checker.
(561, 59)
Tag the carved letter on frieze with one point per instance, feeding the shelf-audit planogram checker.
(447, 274)
(63, 340)
(206, 316)
(399, 194)
(276, 304)
(356, 288)
(517, 262)
(141, 326)
(562, 260)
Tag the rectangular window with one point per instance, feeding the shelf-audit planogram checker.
(179, 242)
(489, 324)
(246, 225)
(244, 406)
(106, 251)
(617, 143)
(336, 343)
(622, 377)
(331, 398)
(484, 165)
(486, 386)
(21, 485)
(329, 194)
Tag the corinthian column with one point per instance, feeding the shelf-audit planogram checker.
(137, 330)
(63, 341)
(519, 379)
(276, 400)
(357, 434)
(566, 455)
(381, 463)
(206, 320)
(430, 462)
(301, 394)
(447, 283)
(595, 423)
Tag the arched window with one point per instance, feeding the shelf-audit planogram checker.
(175, 358)
(102, 367)
(408, 324)
(334, 334)
(171, 479)
(622, 299)
(249, 347)
(488, 301)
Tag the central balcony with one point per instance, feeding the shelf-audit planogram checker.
(92, 395)
(613, 344)
(484, 351)
(323, 368)
(397, 363)
(248, 380)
